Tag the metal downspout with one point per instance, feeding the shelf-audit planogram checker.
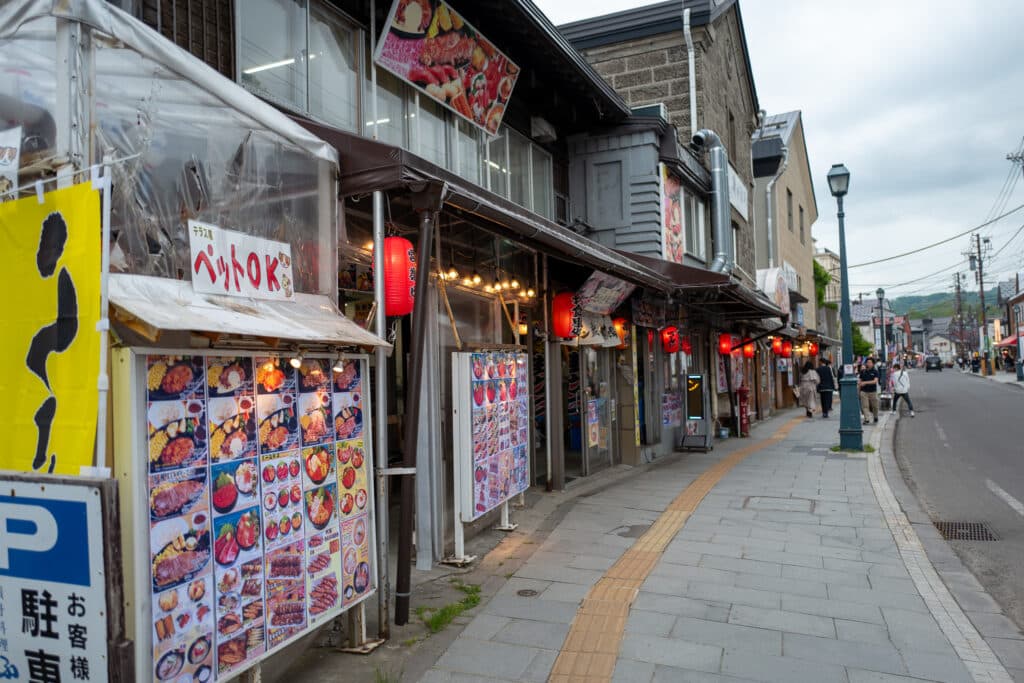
(380, 406)
(720, 216)
(771, 205)
(691, 75)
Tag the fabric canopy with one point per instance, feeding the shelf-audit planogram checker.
(1009, 341)
(172, 305)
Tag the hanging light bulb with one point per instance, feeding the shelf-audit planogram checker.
(515, 283)
(505, 284)
(296, 360)
(530, 293)
(488, 288)
(476, 278)
(338, 365)
(453, 274)
(467, 281)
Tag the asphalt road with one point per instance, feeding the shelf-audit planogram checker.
(963, 456)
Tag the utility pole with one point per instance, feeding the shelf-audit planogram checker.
(958, 302)
(980, 248)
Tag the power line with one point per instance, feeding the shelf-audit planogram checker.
(936, 244)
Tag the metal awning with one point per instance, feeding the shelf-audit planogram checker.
(172, 305)
(680, 275)
(368, 165)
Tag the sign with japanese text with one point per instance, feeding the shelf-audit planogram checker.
(603, 293)
(738, 193)
(10, 160)
(50, 345)
(673, 240)
(53, 604)
(429, 45)
(231, 263)
(649, 312)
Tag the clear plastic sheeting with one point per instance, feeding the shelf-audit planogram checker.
(28, 87)
(172, 305)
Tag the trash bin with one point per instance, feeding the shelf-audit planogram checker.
(1020, 371)
(884, 402)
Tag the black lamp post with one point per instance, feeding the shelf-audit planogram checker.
(851, 434)
(880, 293)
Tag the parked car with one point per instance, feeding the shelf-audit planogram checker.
(932, 363)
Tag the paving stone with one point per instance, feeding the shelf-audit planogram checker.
(1010, 652)
(632, 671)
(780, 620)
(540, 668)
(814, 589)
(671, 652)
(780, 669)
(936, 667)
(668, 585)
(484, 626)
(683, 607)
(823, 551)
(862, 632)
(691, 573)
(728, 636)
(862, 676)
(671, 674)
(517, 583)
(994, 625)
(596, 562)
(833, 608)
(531, 608)
(542, 635)
(584, 577)
(976, 601)
(783, 557)
(439, 676)
(730, 594)
(828, 576)
(564, 592)
(687, 548)
(872, 656)
(649, 623)
(739, 565)
(486, 658)
(884, 583)
(873, 597)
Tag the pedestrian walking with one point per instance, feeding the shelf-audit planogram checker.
(867, 382)
(809, 387)
(827, 383)
(901, 389)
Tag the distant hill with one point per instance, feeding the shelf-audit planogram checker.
(941, 304)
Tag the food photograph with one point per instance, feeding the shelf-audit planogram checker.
(355, 567)
(315, 417)
(234, 485)
(177, 434)
(274, 375)
(323, 571)
(238, 578)
(278, 426)
(348, 378)
(179, 550)
(314, 375)
(183, 622)
(317, 465)
(228, 376)
(174, 377)
(348, 416)
(320, 504)
(176, 493)
(281, 498)
(286, 592)
(232, 424)
(431, 46)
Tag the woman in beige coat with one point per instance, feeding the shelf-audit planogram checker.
(809, 388)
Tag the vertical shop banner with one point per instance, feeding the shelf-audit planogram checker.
(492, 436)
(593, 423)
(232, 263)
(53, 603)
(256, 468)
(673, 241)
(10, 160)
(602, 293)
(50, 343)
(429, 45)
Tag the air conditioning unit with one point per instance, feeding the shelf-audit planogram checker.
(541, 130)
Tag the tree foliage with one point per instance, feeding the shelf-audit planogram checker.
(822, 278)
(861, 346)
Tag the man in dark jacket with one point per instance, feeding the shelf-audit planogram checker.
(826, 385)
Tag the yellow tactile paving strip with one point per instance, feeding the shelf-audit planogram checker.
(592, 645)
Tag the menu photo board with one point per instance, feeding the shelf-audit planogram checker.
(258, 489)
(429, 45)
(491, 415)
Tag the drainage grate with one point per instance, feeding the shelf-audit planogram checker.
(966, 531)
(526, 593)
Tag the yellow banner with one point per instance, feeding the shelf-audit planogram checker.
(50, 347)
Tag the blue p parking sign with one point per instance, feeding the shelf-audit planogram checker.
(44, 539)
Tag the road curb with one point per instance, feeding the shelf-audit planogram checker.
(930, 573)
(1015, 383)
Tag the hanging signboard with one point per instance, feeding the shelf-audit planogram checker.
(673, 245)
(671, 409)
(429, 45)
(259, 505)
(53, 581)
(10, 160)
(52, 278)
(603, 293)
(649, 312)
(231, 263)
(491, 421)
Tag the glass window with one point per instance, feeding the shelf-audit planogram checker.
(519, 169)
(333, 70)
(789, 209)
(802, 241)
(497, 165)
(694, 226)
(543, 183)
(273, 63)
(429, 133)
(389, 125)
(468, 151)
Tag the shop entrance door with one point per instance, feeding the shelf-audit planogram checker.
(599, 412)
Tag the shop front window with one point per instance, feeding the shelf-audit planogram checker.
(273, 63)
(694, 216)
(468, 152)
(429, 131)
(390, 123)
(519, 169)
(543, 183)
(333, 70)
(497, 164)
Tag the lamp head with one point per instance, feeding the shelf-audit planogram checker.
(880, 293)
(838, 180)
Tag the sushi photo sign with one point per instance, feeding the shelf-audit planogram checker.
(491, 418)
(259, 509)
(429, 45)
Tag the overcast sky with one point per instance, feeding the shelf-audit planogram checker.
(921, 100)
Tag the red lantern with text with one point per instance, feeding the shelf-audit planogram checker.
(748, 349)
(562, 315)
(787, 349)
(725, 344)
(670, 339)
(777, 346)
(622, 331)
(812, 348)
(686, 345)
(399, 276)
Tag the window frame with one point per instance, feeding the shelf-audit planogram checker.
(802, 239)
(789, 209)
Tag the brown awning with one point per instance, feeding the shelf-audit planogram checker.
(680, 275)
(368, 165)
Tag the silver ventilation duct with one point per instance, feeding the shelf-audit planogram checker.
(721, 225)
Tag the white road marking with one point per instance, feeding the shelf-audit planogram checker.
(942, 435)
(995, 488)
(974, 652)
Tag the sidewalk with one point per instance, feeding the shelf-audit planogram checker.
(786, 570)
(1002, 377)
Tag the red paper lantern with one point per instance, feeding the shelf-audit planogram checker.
(725, 344)
(670, 339)
(787, 349)
(622, 331)
(748, 349)
(686, 345)
(650, 340)
(777, 346)
(399, 276)
(562, 315)
(812, 348)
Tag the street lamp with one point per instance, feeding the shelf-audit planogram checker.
(880, 293)
(851, 434)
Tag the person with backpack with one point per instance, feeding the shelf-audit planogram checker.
(826, 385)
(901, 388)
